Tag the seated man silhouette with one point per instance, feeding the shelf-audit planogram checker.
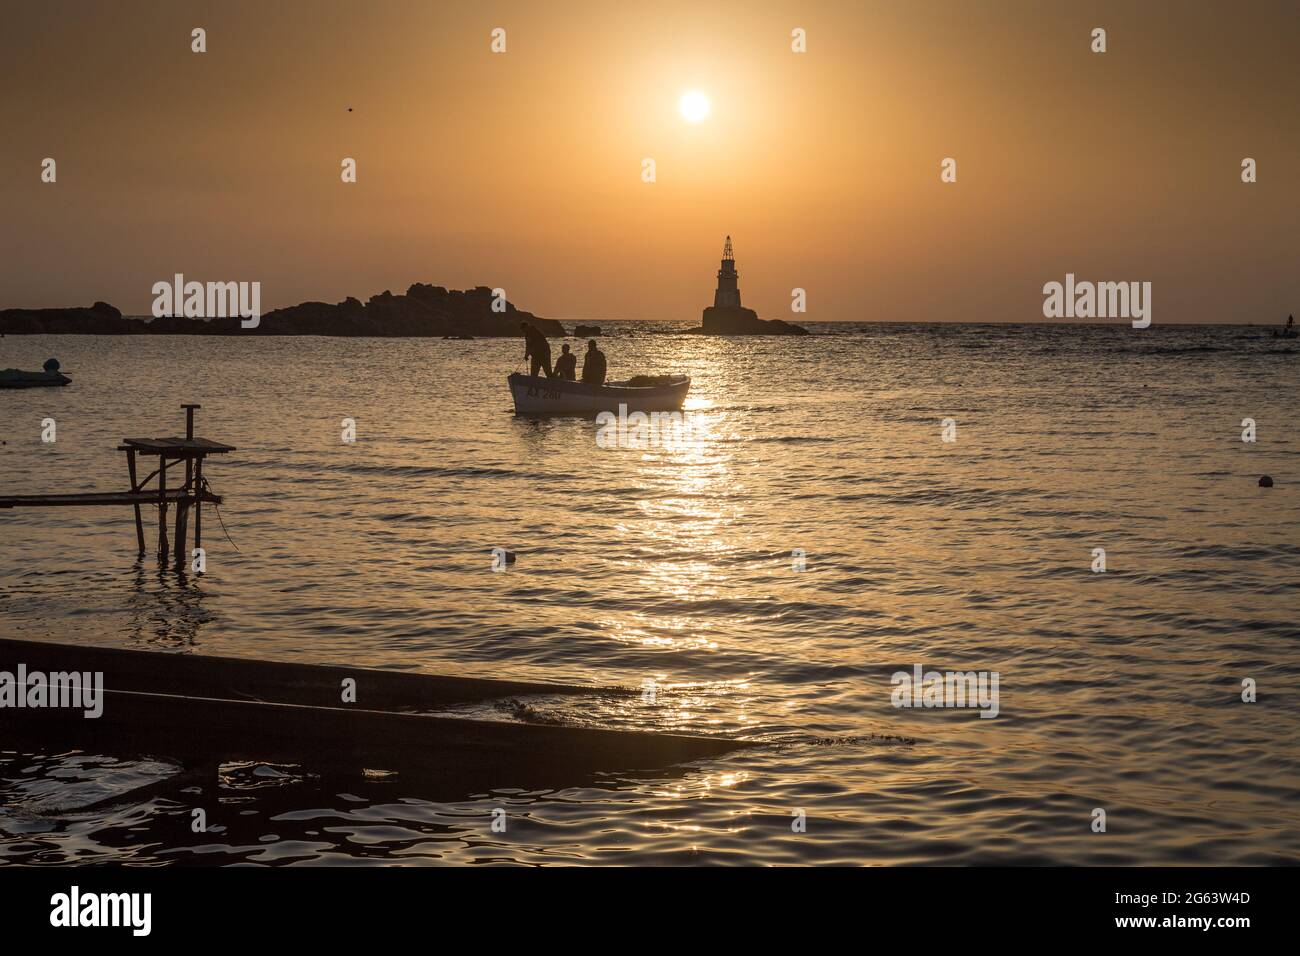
(566, 365)
(593, 364)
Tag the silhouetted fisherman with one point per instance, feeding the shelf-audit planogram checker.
(535, 345)
(593, 364)
(566, 366)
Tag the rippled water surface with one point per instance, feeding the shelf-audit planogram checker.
(1119, 690)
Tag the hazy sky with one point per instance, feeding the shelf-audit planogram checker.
(523, 169)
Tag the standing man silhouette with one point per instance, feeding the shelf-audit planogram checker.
(536, 346)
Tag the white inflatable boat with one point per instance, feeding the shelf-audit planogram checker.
(17, 378)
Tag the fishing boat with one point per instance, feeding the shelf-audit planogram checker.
(17, 378)
(204, 710)
(534, 395)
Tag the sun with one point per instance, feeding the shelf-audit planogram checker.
(694, 106)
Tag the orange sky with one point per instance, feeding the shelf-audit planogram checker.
(523, 170)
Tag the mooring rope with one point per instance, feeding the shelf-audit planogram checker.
(208, 488)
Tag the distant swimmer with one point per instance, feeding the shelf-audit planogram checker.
(593, 364)
(536, 346)
(566, 366)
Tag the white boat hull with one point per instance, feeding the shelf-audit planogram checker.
(535, 395)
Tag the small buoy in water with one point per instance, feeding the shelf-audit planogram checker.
(1266, 482)
(51, 365)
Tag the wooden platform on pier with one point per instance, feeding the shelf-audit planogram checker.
(175, 447)
(89, 498)
(190, 496)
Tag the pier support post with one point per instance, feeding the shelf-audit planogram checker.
(198, 503)
(182, 520)
(193, 489)
(135, 488)
(162, 508)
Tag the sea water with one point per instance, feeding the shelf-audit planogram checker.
(866, 501)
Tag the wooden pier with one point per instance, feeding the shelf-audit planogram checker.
(191, 493)
(207, 710)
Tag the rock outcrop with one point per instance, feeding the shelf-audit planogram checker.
(734, 320)
(424, 311)
(101, 317)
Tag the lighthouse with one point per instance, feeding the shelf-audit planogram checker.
(727, 295)
(728, 317)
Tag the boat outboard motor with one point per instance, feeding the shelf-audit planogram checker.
(51, 365)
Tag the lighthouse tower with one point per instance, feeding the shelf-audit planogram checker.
(728, 294)
(727, 317)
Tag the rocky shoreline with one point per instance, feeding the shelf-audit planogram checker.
(424, 311)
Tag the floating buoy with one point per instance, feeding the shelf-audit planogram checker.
(1266, 482)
